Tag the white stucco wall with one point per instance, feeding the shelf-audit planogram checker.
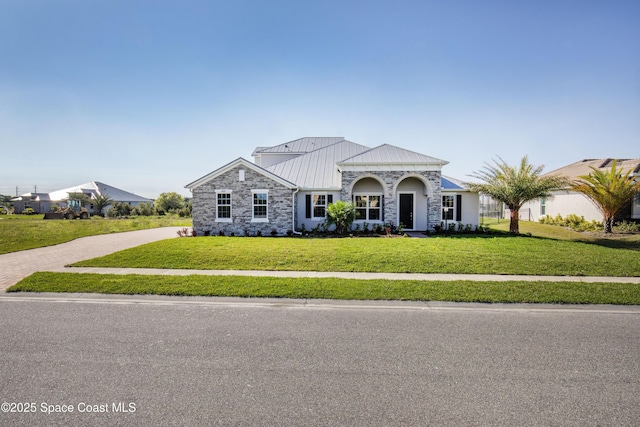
(470, 208)
(565, 203)
(301, 213)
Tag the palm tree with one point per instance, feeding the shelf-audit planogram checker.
(515, 186)
(610, 190)
(100, 202)
(342, 214)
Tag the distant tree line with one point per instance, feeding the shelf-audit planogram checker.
(166, 203)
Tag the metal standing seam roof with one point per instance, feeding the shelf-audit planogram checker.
(387, 153)
(301, 145)
(583, 167)
(317, 169)
(95, 187)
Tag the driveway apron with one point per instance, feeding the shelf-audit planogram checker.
(15, 266)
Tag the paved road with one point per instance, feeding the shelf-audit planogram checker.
(18, 265)
(201, 361)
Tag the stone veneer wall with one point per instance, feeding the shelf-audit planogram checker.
(391, 179)
(279, 209)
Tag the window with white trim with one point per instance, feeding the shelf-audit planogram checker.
(260, 205)
(543, 205)
(223, 205)
(368, 207)
(319, 205)
(448, 205)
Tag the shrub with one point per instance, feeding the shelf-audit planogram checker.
(627, 227)
(119, 209)
(572, 221)
(186, 233)
(143, 209)
(342, 214)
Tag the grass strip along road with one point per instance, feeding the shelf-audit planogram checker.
(333, 288)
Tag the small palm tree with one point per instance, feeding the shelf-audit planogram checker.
(342, 214)
(100, 202)
(515, 186)
(610, 190)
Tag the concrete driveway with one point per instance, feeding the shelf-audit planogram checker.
(16, 266)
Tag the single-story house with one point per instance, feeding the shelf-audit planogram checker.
(42, 202)
(289, 186)
(565, 202)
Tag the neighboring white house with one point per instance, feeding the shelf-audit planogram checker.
(42, 202)
(290, 185)
(567, 202)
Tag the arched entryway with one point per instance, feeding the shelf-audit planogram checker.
(412, 203)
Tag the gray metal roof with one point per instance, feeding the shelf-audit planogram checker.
(95, 188)
(387, 153)
(317, 169)
(301, 145)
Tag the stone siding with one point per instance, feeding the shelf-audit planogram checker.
(279, 208)
(391, 179)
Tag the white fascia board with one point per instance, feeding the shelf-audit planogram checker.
(320, 190)
(455, 190)
(239, 162)
(413, 167)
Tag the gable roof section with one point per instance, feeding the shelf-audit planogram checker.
(317, 169)
(244, 163)
(390, 154)
(583, 167)
(300, 145)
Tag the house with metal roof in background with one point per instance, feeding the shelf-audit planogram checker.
(566, 202)
(289, 186)
(42, 202)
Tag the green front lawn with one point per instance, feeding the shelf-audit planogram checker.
(342, 289)
(19, 232)
(498, 254)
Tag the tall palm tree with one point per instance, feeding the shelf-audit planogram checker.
(610, 190)
(515, 186)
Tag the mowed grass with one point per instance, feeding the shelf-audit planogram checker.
(20, 232)
(497, 254)
(340, 289)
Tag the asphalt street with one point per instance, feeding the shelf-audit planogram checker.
(180, 361)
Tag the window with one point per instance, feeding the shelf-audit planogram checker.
(319, 205)
(223, 206)
(260, 205)
(543, 206)
(448, 203)
(368, 207)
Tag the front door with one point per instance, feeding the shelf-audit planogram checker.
(406, 211)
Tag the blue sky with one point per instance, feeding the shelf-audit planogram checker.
(148, 96)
